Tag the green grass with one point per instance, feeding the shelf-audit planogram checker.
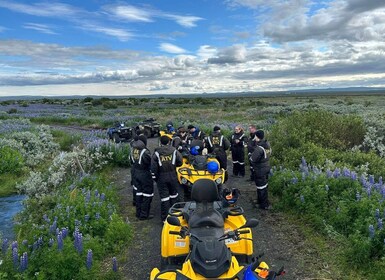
(64, 139)
(8, 183)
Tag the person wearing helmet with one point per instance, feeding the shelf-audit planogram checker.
(141, 177)
(170, 127)
(195, 133)
(217, 145)
(163, 167)
(238, 140)
(260, 159)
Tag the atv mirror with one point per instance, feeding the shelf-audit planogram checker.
(172, 220)
(250, 223)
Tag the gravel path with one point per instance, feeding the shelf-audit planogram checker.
(281, 242)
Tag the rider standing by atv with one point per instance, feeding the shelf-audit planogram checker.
(260, 160)
(238, 140)
(163, 167)
(217, 145)
(195, 133)
(180, 140)
(251, 144)
(141, 177)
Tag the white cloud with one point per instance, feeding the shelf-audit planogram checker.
(43, 28)
(170, 48)
(44, 9)
(130, 13)
(121, 34)
(185, 21)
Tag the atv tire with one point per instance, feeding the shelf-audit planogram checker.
(147, 132)
(115, 137)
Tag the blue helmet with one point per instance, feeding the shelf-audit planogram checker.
(213, 167)
(194, 150)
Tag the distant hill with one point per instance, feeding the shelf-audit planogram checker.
(326, 91)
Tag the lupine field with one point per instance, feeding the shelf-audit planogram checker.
(328, 158)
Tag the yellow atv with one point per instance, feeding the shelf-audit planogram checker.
(196, 167)
(207, 239)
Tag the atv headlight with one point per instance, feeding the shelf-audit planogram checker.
(184, 181)
(218, 181)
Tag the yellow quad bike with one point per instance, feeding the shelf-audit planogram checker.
(202, 239)
(167, 133)
(199, 167)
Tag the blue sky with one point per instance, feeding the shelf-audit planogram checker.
(167, 46)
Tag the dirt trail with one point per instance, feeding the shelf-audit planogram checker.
(281, 242)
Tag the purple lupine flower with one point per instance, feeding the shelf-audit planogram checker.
(15, 257)
(102, 197)
(336, 173)
(96, 193)
(24, 262)
(326, 188)
(25, 242)
(358, 196)
(302, 198)
(380, 181)
(64, 232)
(88, 196)
(14, 245)
(371, 179)
(379, 224)
(346, 172)
(78, 240)
(371, 231)
(114, 264)
(271, 172)
(52, 228)
(377, 213)
(50, 242)
(89, 259)
(4, 246)
(60, 243)
(97, 216)
(353, 175)
(294, 180)
(329, 174)
(86, 217)
(68, 209)
(303, 162)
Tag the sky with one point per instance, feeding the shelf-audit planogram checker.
(100, 47)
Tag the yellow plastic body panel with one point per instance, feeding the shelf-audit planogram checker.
(188, 271)
(169, 135)
(174, 245)
(187, 171)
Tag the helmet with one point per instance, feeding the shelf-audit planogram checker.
(194, 150)
(231, 195)
(213, 167)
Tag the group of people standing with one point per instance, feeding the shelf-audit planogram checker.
(160, 166)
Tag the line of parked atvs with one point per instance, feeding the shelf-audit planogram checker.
(209, 238)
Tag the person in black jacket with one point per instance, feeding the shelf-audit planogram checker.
(217, 145)
(238, 140)
(163, 167)
(180, 140)
(251, 144)
(141, 177)
(260, 159)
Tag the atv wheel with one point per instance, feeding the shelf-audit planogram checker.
(147, 132)
(164, 263)
(116, 137)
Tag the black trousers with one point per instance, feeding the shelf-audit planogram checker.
(261, 181)
(168, 192)
(238, 157)
(144, 193)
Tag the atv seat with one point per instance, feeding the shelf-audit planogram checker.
(205, 192)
